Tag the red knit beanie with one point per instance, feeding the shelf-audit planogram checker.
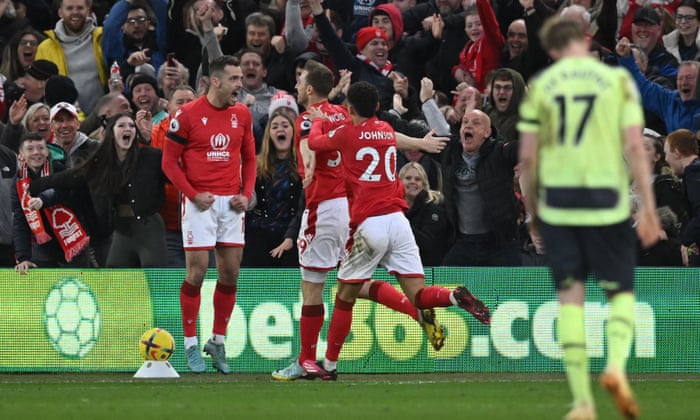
(368, 33)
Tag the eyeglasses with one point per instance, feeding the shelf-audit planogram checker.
(687, 18)
(29, 43)
(134, 21)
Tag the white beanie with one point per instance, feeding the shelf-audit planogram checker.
(283, 99)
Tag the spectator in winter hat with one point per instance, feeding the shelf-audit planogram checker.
(144, 96)
(31, 85)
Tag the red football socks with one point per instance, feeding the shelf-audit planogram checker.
(189, 308)
(433, 297)
(309, 329)
(387, 295)
(224, 301)
(339, 328)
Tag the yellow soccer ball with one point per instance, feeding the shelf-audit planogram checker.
(157, 344)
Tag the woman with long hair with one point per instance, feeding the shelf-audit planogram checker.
(278, 189)
(427, 214)
(19, 53)
(130, 179)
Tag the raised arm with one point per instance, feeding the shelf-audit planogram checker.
(294, 34)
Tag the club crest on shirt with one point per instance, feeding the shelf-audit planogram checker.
(234, 121)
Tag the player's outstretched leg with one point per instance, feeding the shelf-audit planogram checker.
(467, 301)
(440, 297)
(433, 329)
(387, 295)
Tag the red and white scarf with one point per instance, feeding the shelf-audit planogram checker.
(64, 224)
(383, 70)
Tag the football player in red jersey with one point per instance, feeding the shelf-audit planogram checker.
(210, 157)
(325, 223)
(380, 234)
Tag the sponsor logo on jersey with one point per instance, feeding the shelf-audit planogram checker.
(204, 120)
(219, 144)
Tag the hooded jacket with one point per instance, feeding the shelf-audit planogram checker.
(52, 49)
(395, 17)
(507, 120)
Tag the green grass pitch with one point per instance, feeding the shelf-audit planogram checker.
(256, 396)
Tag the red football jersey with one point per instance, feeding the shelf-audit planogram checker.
(369, 164)
(327, 181)
(214, 148)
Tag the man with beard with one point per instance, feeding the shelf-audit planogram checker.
(210, 157)
(132, 36)
(507, 91)
(75, 47)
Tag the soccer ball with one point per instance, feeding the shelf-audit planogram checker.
(157, 344)
(72, 318)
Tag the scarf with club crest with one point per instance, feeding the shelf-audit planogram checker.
(64, 224)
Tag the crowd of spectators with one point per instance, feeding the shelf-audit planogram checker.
(92, 86)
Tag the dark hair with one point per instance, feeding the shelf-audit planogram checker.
(657, 142)
(217, 65)
(30, 136)
(693, 4)
(251, 51)
(267, 157)
(103, 171)
(363, 98)
(319, 77)
(502, 74)
(143, 5)
(11, 67)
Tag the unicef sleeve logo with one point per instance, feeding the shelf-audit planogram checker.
(174, 125)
